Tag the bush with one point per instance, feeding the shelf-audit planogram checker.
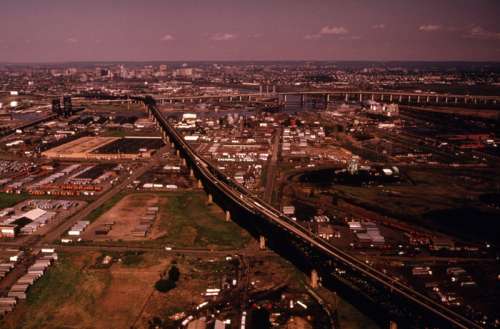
(164, 285)
(174, 274)
(131, 258)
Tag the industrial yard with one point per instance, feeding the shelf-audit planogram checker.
(106, 148)
(178, 219)
(124, 221)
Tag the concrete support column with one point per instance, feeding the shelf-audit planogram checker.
(360, 97)
(346, 97)
(191, 173)
(172, 145)
(262, 242)
(373, 97)
(409, 98)
(427, 99)
(210, 199)
(437, 99)
(382, 97)
(284, 98)
(228, 216)
(302, 99)
(390, 98)
(199, 184)
(456, 100)
(184, 162)
(178, 153)
(418, 99)
(446, 100)
(327, 98)
(400, 98)
(314, 279)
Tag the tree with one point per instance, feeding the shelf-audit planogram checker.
(174, 274)
(164, 285)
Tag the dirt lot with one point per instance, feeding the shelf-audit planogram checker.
(125, 215)
(184, 220)
(75, 294)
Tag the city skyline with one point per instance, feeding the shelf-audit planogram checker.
(249, 31)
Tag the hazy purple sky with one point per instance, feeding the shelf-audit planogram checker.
(74, 30)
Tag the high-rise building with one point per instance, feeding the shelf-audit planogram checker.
(68, 106)
(56, 106)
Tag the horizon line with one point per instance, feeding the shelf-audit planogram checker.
(257, 60)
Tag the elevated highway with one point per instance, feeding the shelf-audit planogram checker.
(230, 194)
(400, 97)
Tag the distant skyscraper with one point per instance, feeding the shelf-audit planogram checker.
(162, 72)
(56, 106)
(68, 106)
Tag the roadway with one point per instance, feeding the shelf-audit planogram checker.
(417, 97)
(247, 201)
(271, 167)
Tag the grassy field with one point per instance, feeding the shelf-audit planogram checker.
(189, 222)
(433, 190)
(74, 294)
(185, 221)
(8, 200)
(443, 199)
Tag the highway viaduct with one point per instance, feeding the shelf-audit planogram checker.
(386, 298)
(324, 97)
(328, 96)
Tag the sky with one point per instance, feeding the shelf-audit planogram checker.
(220, 30)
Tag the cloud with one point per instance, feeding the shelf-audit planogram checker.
(378, 26)
(477, 32)
(222, 36)
(167, 37)
(430, 28)
(336, 30)
(327, 30)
